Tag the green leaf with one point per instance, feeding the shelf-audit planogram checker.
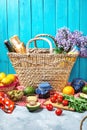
(80, 105)
(58, 50)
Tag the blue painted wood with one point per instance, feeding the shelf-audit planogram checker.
(83, 68)
(37, 19)
(27, 18)
(13, 23)
(3, 36)
(73, 14)
(61, 13)
(73, 24)
(83, 16)
(49, 18)
(83, 25)
(13, 17)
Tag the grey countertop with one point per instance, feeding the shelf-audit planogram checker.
(22, 119)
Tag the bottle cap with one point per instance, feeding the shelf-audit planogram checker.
(6, 41)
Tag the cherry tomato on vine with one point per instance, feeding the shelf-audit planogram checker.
(56, 95)
(58, 112)
(60, 98)
(53, 99)
(65, 102)
(49, 107)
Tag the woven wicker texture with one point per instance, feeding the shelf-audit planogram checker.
(39, 65)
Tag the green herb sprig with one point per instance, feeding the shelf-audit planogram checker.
(78, 104)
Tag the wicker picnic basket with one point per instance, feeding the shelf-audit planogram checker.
(41, 64)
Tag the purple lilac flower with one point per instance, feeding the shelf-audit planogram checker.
(83, 52)
(67, 39)
(62, 38)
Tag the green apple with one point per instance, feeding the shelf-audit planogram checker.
(84, 89)
(29, 90)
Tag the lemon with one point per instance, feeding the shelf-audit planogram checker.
(11, 77)
(6, 81)
(1, 84)
(2, 75)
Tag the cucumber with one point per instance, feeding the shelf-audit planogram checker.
(82, 95)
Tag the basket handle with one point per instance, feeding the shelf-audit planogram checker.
(39, 38)
(82, 122)
(46, 35)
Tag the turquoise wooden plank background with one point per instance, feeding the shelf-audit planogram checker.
(27, 18)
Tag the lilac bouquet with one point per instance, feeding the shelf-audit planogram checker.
(67, 40)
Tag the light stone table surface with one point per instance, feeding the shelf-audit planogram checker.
(22, 119)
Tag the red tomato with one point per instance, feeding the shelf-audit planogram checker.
(52, 92)
(53, 99)
(49, 107)
(58, 112)
(60, 98)
(56, 95)
(65, 102)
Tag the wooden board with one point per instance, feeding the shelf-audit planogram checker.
(58, 105)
